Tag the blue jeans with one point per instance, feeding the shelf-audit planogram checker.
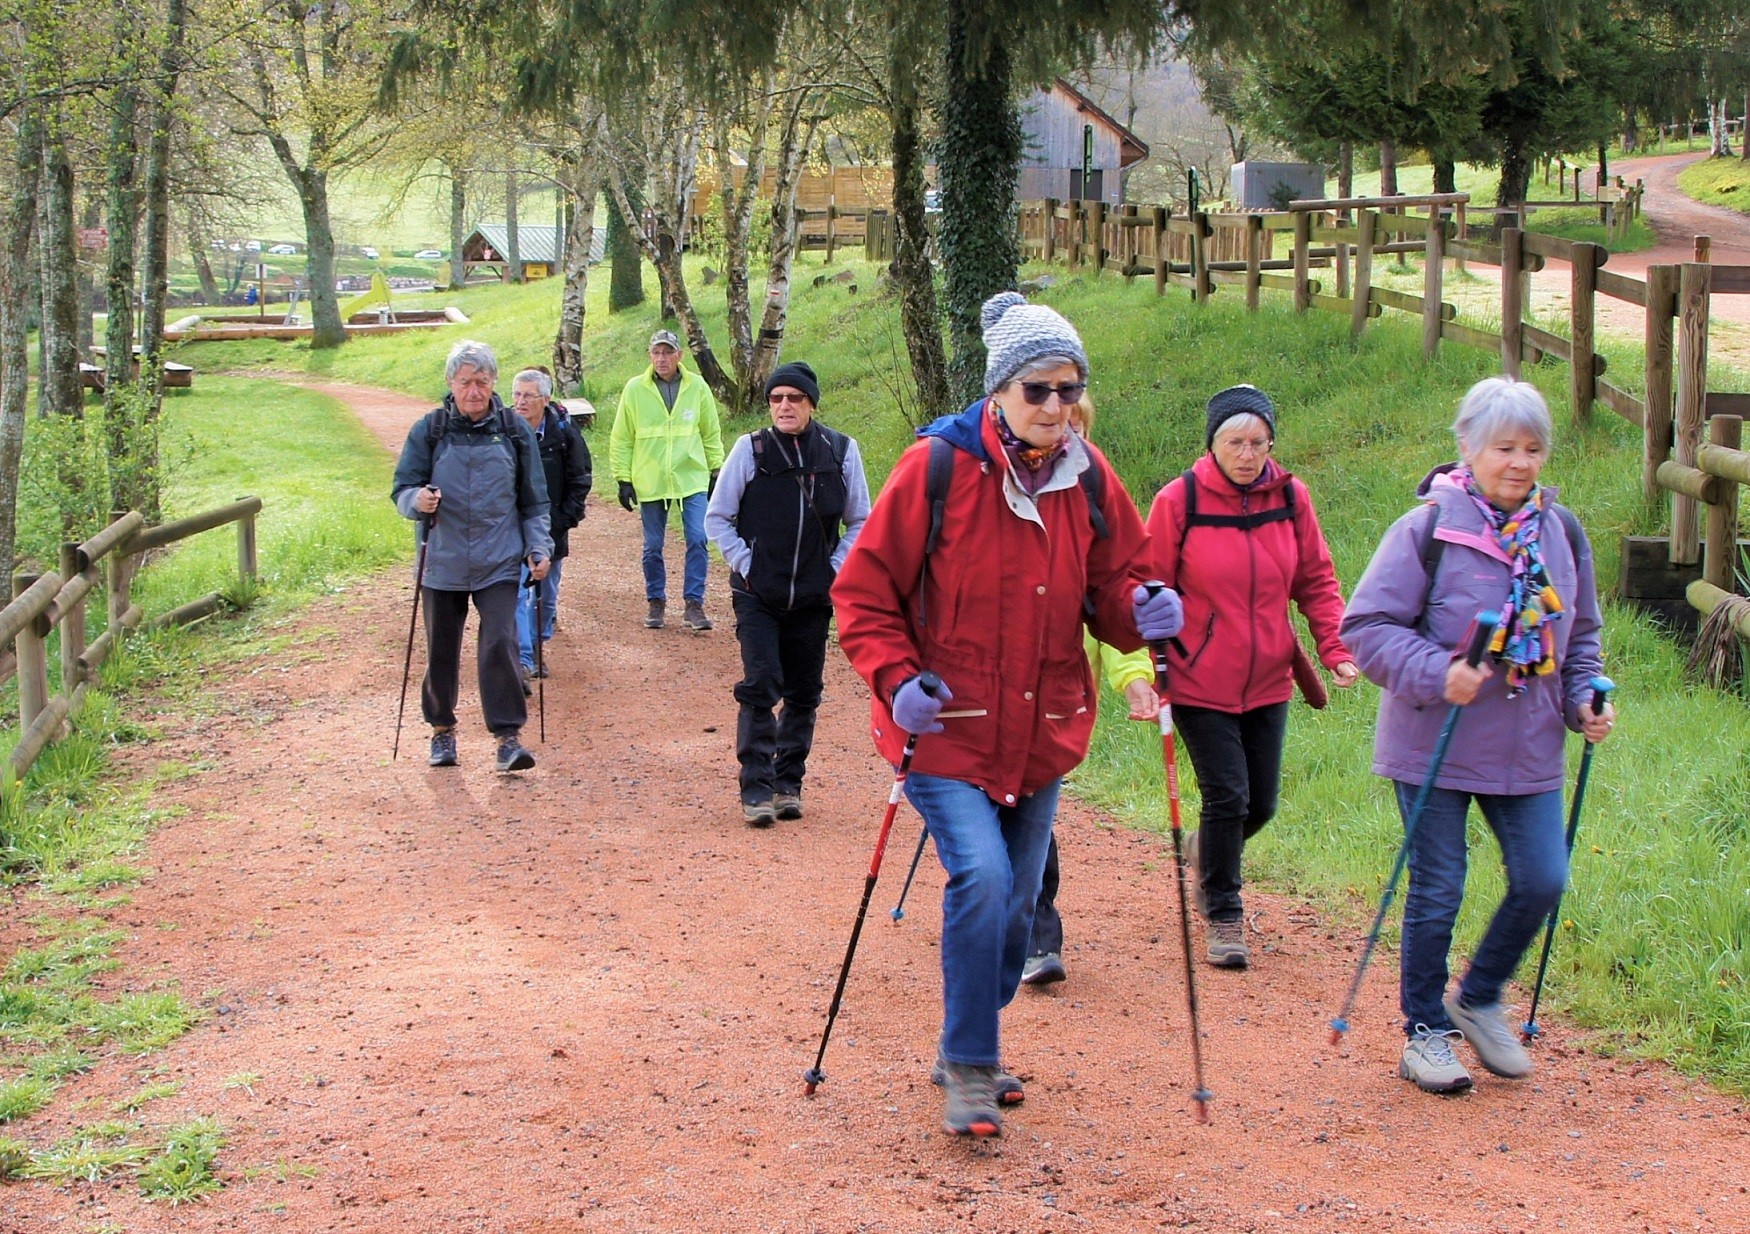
(525, 611)
(655, 516)
(1534, 849)
(995, 858)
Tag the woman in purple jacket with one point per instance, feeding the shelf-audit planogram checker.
(1488, 537)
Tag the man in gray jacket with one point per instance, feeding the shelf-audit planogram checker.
(471, 474)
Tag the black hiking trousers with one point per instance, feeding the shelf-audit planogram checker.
(501, 684)
(1238, 761)
(783, 657)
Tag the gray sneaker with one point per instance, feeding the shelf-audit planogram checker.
(694, 616)
(758, 813)
(653, 615)
(1226, 944)
(1009, 1089)
(972, 1101)
(443, 748)
(787, 805)
(512, 756)
(1428, 1060)
(1045, 968)
(1492, 1037)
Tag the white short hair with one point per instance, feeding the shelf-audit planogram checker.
(1497, 405)
(471, 354)
(543, 383)
(1240, 422)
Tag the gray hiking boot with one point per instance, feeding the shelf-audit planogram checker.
(525, 672)
(1045, 968)
(787, 805)
(1194, 872)
(1492, 1037)
(1226, 944)
(653, 615)
(695, 617)
(1009, 1089)
(1428, 1060)
(972, 1101)
(758, 813)
(512, 755)
(443, 748)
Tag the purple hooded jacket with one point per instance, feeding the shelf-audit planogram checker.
(1501, 746)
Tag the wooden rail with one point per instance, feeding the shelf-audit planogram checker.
(56, 601)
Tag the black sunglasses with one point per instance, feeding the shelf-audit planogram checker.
(1036, 392)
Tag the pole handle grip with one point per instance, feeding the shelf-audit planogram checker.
(1601, 688)
(1482, 630)
(929, 683)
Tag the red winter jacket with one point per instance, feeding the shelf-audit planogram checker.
(1001, 613)
(1236, 650)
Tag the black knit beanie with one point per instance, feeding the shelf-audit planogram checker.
(797, 376)
(1238, 401)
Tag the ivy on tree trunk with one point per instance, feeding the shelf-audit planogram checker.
(920, 319)
(15, 229)
(626, 280)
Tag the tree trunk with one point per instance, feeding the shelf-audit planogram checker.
(1345, 175)
(1388, 168)
(120, 411)
(1515, 178)
(1744, 133)
(58, 389)
(513, 257)
(203, 266)
(626, 282)
(85, 284)
(920, 319)
(1445, 175)
(330, 331)
(580, 179)
(793, 146)
(155, 278)
(15, 229)
(981, 150)
(1719, 144)
(458, 224)
(1631, 130)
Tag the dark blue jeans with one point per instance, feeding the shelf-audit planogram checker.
(525, 610)
(1534, 849)
(994, 856)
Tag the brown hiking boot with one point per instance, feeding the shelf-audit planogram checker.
(972, 1100)
(1009, 1090)
(653, 617)
(1226, 942)
(695, 616)
(787, 805)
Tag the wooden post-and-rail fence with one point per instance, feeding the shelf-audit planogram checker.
(42, 603)
(1343, 236)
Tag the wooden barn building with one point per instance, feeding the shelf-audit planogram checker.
(1063, 132)
(486, 247)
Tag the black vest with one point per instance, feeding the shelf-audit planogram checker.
(791, 514)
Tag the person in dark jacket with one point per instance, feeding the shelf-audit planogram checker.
(787, 508)
(1505, 546)
(565, 464)
(471, 475)
(1252, 546)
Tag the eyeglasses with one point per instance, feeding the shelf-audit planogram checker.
(1036, 392)
(519, 395)
(1247, 445)
(786, 396)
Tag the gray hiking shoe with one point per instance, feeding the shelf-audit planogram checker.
(1428, 1060)
(1492, 1037)
(787, 805)
(758, 813)
(1226, 944)
(653, 615)
(525, 672)
(1045, 968)
(972, 1101)
(695, 617)
(1009, 1089)
(1194, 872)
(512, 755)
(443, 748)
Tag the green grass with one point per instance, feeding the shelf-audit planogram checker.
(1718, 182)
(1581, 223)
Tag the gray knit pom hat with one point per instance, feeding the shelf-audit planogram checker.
(1017, 333)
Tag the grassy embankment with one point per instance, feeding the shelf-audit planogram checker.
(1653, 950)
(1718, 182)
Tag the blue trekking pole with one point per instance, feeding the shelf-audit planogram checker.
(1482, 630)
(1601, 688)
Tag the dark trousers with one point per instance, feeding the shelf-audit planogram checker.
(501, 687)
(1047, 921)
(783, 655)
(1238, 761)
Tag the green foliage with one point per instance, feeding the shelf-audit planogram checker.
(1581, 223)
(88, 1156)
(24, 1096)
(182, 1169)
(148, 1093)
(1718, 182)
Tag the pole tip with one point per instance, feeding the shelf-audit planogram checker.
(1529, 1029)
(811, 1080)
(1203, 1097)
(898, 914)
(1339, 1026)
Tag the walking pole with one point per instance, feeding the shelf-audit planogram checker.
(812, 1078)
(427, 524)
(898, 912)
(1482, 630)
(1201, 1095)
(540, 661)
(1601, 688)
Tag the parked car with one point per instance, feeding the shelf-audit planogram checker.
(254, 246)
(368, 251)
(428, 255)
(283, 250)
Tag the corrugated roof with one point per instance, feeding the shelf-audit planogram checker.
(534, 242)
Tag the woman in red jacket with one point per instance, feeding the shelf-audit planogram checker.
(1237, 537)
(1036, 535)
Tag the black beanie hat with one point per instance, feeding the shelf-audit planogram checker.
(797, 376)
(1238, 401)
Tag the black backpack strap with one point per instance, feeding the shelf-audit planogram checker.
(1093, 482)
(936, 480)
(1432, 550)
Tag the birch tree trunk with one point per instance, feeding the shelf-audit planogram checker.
(580, 181)
(15, 230)
(797, 136)
(513, 258)
(1388, 168)
(458, 223)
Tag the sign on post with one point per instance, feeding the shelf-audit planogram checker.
(93, 237)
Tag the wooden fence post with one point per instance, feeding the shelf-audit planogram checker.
(1366, 221)
(831, 214)
(1433, 282)
(1704, 247)
(1720, 562)
(1096, 229)
(1692, 298)
(246, 559)
(1127, 236)
(1512, 299)
(1582, 304)
(1254, 259)
(1050, 250)
(1657, 339)
(1074, 234)
(33, 661)
(1460, 234)
(1341, 262)
(1302, 241)
(1200, 257)
(1159, 233)
(72, 626)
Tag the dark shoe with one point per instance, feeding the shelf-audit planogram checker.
(1044, 969)
(758, 813)
(1226, 944)
(695, 616)
(1428, 1061)
(653, 616)
(512, 756)
(1194, 872)
(525, 672)
(972, 1102)
(443, 748)
(1492, 1037)
(787, 805)
(1009, 1090)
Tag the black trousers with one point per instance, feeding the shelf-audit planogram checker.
(783, 657)
(501, 686)
(1238, 761)
(1047, 921)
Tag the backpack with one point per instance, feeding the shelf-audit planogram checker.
(436, 432)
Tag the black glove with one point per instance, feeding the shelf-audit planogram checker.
(628, 496)
(711, 487)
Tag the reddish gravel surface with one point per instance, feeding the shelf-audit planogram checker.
(583, 998)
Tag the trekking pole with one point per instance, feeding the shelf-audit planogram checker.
(1201, 1095)
(812, 1078)
(540, 662)
(898, 912)
(427, 524)
(1482, 630)
(1601, 688)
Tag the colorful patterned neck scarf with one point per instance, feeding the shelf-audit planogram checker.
(1031, 463)
(1524, 640)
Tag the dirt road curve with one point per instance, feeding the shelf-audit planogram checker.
(582, 999)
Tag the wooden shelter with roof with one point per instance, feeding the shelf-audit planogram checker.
(1072, 149)
(488, 245)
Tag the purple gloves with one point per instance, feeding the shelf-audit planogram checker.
(915, 711)
(1159, 616)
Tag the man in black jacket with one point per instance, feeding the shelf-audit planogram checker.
(566, 464)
